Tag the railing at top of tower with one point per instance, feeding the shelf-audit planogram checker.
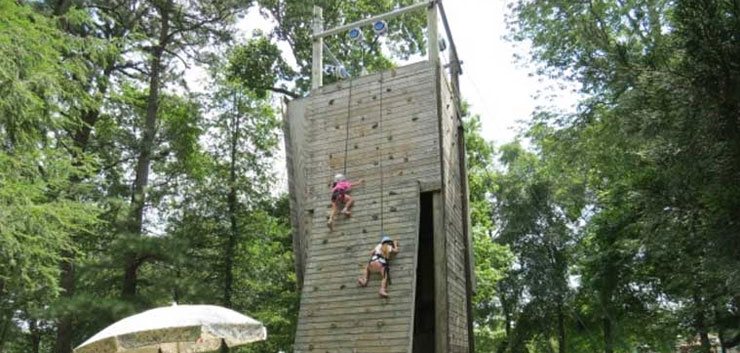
(435, 10)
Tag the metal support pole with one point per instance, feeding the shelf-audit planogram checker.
(433, 33)
(317, 63)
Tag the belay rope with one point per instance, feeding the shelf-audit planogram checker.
(346, 136)
(382, 177)
(380, 157)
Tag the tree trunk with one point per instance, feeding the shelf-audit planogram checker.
(608, 337)
(701, 326)
(4, 326)
(138, 198)
(721, 338)
(561, 329)
(234, 231)
(34, 335)
(507, 325)
(63, 342)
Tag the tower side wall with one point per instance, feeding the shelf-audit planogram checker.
(456, 242)
(296, 143)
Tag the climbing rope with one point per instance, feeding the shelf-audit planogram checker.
(380, 158)
(346, 137)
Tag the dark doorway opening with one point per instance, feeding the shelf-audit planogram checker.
(424, 325)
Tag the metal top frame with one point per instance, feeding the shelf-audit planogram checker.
(434, 10)
(367, 21)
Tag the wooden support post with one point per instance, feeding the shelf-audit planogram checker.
(433, 34)
(441, 305)
(318, 49)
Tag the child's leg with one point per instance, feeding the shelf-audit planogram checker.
(332, 212)
(348, 201)
(383, 293)
(365, 276)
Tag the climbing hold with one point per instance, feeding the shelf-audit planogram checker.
(375, 163)
(336, 127)
(375, 97)
(356, 147)
(342, 287)
(310, 347)
(375, 217)
(325, 241)
(406, 159)
(331, 156)
(315, 289)
(390, 138)
(375, 126)
(393, 209)
(409, 99)
(333, 325)
(362, 118)
(388, 90)
(415, 118)
(393, 192)
(390, 157)
(364, 231)
(331, 102)
(380, 323)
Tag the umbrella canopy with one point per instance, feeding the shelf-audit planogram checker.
(176, 329)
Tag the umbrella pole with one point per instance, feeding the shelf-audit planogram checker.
(224, 347)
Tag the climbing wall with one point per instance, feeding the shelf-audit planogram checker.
(385, 128)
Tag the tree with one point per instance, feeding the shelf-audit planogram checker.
(42, 208)
(654, 135)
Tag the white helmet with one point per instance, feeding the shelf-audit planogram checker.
(338, 178)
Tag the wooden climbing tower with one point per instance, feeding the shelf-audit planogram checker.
(401, 131)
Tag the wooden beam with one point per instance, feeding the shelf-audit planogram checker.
(456, 63)
(433, 35)
(441, 304)
(415, 270)
(367, 21)
(318, 49)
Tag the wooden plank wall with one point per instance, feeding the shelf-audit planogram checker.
(394, 145)
(294, 131)
(452, 189)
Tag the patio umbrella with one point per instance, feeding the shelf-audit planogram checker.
(176, 329)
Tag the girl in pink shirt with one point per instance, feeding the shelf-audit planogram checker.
(340, 194)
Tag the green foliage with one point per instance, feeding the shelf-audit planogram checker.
(643, 176)
(258, 65)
